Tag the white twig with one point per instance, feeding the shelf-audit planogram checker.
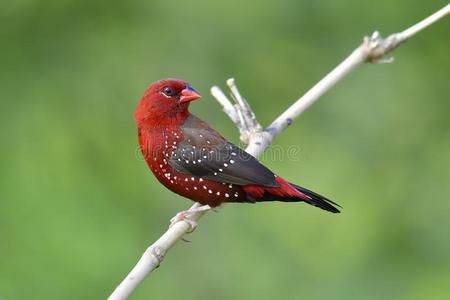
(373, 49)
(240, 113)
(406, 34)
(228, 108)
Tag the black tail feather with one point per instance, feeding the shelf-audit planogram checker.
(318, 200)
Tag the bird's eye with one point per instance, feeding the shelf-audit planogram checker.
(168, 91)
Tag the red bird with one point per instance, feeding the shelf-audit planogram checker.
(195, 161)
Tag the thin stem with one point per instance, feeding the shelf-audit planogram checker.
(443, 12)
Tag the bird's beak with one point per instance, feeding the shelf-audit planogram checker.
(189, 94)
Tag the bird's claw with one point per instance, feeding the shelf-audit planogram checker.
(185, 216)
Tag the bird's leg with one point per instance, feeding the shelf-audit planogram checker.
(185, 214)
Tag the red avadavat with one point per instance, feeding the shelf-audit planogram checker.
(195, 161)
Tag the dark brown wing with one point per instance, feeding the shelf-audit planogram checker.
(205, 153)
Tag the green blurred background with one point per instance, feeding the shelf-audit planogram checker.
(78, 206)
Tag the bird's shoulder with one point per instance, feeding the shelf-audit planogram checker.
(198, 132)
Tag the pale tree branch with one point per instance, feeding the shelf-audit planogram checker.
(373, 49)
(240, 112)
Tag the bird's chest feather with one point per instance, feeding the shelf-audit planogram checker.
(158, 146)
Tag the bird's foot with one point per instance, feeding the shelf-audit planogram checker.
(185, 216)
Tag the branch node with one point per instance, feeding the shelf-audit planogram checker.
(157, 252)
(376, 46)
(240, 112)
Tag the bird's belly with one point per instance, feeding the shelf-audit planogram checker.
(204, 191)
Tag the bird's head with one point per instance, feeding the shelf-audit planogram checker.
(165, 98)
